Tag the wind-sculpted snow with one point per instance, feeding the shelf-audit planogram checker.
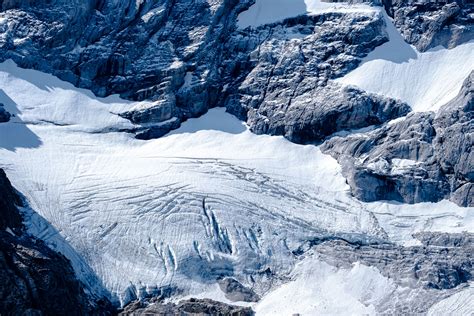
(171, 216)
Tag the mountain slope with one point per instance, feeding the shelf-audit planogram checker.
(35, 279)
(151, 204)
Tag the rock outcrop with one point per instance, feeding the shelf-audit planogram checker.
(235, 291)
(423, 157)
(427, 273)
(4, 115)
(202, 307)
(285, 86)
(139, 49)
(427, 24)
(34, 279)
(276, 77)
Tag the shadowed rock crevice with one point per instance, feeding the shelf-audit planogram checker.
(4, 115)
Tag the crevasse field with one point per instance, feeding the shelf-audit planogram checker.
(211, 198)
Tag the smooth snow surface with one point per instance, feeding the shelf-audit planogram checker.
(271, 11)
(425, 81)
(209, 199)
(461, 303)
(320, 289)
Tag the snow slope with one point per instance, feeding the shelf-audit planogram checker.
(271, 11)
(320, 289)
(426, 81)
(461, 303)
(209, 199)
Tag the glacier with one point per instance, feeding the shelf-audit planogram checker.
(210, 198)
(170, 217)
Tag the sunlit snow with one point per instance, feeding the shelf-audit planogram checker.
(426, 81)
(271, 11)
(208, 199)
(320, 289)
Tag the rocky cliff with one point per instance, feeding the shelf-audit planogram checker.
(424, 157)
(427, 24)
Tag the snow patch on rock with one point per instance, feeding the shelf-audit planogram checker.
(426, 81)
(271, 11)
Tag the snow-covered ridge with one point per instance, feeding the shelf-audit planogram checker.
(270, 11)
(426, 81)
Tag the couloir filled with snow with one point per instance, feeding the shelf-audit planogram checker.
(206, 200)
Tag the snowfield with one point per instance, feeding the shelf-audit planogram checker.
(271, 11)
(461, 303)
(426, 81)
(208, 199)
(320, 289)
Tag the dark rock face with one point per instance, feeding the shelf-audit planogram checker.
(285, 87)
(9, 203)
(34, 279)
(427, 24)
(425, 157)
(236, 292)
(275, 77)
(4, 115)
(189, 307)
(133, 48)
(322, 112)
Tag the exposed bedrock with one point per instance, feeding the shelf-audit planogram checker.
(139, 49)
(188, 56)
(423, 157)
(235, 291)
(202, 307)
(34, 279)
(427, 24)
(266, 75)
(425, 274)
(4, 115)
(287, 88)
